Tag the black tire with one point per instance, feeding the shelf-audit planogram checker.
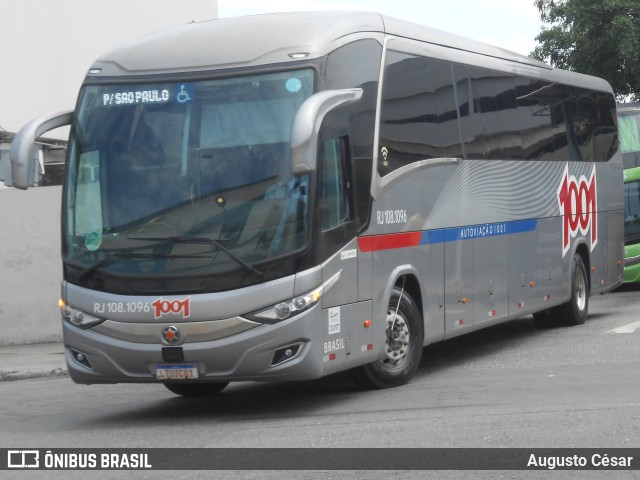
(402, 357)
(575, 311)
(196, 389)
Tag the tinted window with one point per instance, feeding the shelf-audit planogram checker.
(334, 195)
(432, 108)
(563, 106)
(354, 65)
(418, 115)
(534, 119)
(472, 128)
(586, 122)
(605, 141)
(357, 65)
(488, 111)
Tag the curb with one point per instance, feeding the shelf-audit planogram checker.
(12, 375)
(22, 362)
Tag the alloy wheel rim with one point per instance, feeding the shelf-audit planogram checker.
(581, 291)
(398, 340)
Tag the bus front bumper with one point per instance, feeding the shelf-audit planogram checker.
(299, 348)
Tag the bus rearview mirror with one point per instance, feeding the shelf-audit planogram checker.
(307, 122)
(23, 159)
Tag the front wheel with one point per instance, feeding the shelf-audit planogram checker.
(403, 346)
(196, 389)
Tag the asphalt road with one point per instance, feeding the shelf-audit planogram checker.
(512, 385)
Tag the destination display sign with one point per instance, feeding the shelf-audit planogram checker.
(135, 97)
(146, 94)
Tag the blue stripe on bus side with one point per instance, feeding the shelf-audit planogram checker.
(485, 230)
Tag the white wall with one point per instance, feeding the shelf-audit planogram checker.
(30, 265)
(47, 47)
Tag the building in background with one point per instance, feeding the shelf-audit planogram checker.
(47, 48)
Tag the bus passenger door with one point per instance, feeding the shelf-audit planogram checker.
(337, 225)
(345, 337)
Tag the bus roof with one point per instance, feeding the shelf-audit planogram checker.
(236, 42)
(276, 38)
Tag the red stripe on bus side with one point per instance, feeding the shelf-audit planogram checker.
(390, 241)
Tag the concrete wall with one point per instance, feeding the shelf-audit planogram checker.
(30, 265)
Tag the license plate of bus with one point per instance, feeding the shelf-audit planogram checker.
(176, 371)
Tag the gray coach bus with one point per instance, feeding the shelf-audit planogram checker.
(282, 197)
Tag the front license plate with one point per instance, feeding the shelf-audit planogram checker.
(176, 371)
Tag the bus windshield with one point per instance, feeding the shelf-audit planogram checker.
(185, 178)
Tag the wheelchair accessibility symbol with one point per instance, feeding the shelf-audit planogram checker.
(183, 95)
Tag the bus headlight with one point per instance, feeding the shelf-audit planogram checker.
(78, 318)
(289, 308)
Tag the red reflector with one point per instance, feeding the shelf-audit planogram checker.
(332, 356)
(370, 346)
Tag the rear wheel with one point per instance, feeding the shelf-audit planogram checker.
(403, 346)
(196, 389)
(574, 312)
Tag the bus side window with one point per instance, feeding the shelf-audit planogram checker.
(418, 115)
(335, 207)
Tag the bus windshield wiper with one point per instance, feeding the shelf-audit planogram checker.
(204, 241)
(118, 256)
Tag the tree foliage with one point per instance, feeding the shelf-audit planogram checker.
(596, 37)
